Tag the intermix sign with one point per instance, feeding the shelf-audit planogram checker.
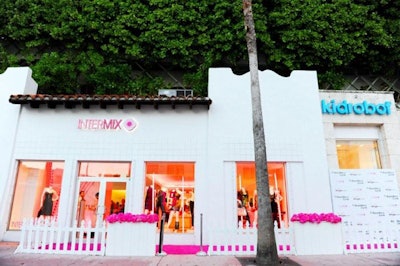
(128, 124)
(344, 108)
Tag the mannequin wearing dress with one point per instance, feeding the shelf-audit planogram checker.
(191, 207)
(174, 204)
(148, 202)
(161, 200)
(49, 195)
(81, 207)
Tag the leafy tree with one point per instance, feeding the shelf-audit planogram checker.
(110, 46)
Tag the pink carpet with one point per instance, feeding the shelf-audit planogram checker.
(182, 249)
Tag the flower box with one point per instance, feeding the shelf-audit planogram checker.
(316, 234)
(131, 235)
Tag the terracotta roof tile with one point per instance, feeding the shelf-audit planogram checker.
(103, 101)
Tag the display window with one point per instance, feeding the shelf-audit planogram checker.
(37, 190)
(358, 154)
(169, 192)
(247, 198)
(101, 191)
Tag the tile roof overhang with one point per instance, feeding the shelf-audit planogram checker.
(103, 101)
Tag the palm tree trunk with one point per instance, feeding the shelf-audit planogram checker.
(266, 245)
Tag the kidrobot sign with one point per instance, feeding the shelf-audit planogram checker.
(345, 108)
(128, 124)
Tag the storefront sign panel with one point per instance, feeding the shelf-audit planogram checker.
(345, 108)
(107, 124)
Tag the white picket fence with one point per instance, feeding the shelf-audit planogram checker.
(367, 239)
(243, 241)
(45, 236)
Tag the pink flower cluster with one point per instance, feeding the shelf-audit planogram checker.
(132, 218)
(316, 218)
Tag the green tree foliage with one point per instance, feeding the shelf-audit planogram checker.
(110, 46)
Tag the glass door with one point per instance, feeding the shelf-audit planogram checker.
(98, 198)
(88, 202)
(101, 190)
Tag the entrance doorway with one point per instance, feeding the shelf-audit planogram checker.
(99, 198)
(103, 194)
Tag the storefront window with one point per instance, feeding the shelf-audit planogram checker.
(247, 198)
(169, 190)
(102, 191)
(358, 154)
(38, 187)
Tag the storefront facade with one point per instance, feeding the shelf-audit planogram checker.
(121, 155)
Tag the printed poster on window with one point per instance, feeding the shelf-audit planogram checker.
(366, 197)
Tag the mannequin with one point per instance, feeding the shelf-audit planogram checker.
(274, 210)
(244, 197)
(243, 200)
(81, 207)
(191, 207)
(160, 203)
(255, 220)
(148, 200)
(95, 209)
(275, 193)
(49, 195)
(174, 203)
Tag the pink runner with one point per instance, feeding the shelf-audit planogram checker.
(182, 249)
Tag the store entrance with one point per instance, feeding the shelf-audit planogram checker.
(101, 190)
(99, 197)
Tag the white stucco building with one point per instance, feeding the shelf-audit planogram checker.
(194, 149)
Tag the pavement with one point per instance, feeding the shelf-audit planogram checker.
(9, 258)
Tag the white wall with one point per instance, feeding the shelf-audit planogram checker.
(12, 81)
(293, 125)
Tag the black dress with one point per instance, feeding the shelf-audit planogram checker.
(47, 207)
(148, 203)
(161, 200)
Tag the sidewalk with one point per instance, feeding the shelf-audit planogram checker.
(8, 258)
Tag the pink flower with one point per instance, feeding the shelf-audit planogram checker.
(132, 218)
(316, 218)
